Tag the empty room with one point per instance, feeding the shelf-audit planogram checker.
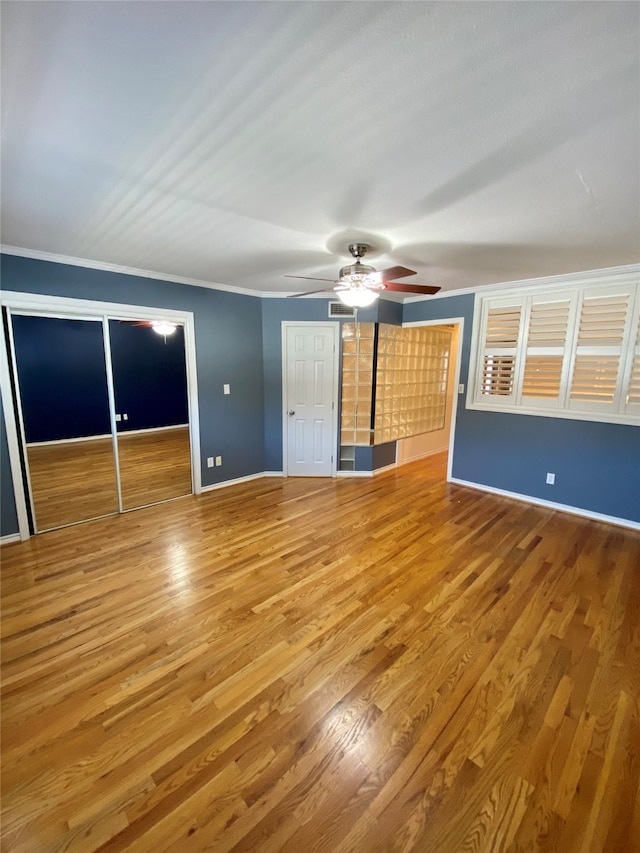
(320, 426)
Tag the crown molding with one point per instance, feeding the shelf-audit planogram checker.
(566, 278)
(542, 281)
(124, 270)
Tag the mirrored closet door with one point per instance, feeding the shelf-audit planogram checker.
(65, 420)
(104, 414)
(152, 413)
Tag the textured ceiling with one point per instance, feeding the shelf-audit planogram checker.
(235, 142)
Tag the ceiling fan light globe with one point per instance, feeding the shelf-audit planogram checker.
(357, 297)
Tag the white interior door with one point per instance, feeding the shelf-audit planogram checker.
(310, 391)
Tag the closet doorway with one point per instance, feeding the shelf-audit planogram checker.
(106, 408)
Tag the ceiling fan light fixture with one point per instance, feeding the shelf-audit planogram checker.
(357, 297)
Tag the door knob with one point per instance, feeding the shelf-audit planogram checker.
(291, 413)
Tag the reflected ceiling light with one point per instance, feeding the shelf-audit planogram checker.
(162, 327)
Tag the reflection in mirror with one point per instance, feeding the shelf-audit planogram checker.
(65, 412)
(150, 385)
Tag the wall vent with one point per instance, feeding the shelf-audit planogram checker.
(339, 309)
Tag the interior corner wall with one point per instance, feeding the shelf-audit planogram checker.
(228, 332)
(597, 465)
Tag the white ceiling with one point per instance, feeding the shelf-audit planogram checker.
(234, 142)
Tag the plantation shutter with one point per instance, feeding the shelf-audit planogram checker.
(497, 370)
(632, 390)
(547, 331)
(602, 329)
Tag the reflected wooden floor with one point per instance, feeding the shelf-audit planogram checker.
(76, 481)
(391, 664)
(72, 481)
(154, 466)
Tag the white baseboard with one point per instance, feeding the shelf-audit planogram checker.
(572, 510)
(342, 474)
(273, 474)
(384, 468)
(235, 482)
(424, 455)
(9, 538)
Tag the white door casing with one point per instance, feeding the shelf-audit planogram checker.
(310, 388)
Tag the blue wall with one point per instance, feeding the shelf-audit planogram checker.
(149, 376)
(228, 330)
(62, 376)
(597, 465)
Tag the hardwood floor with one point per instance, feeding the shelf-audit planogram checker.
(387, 664)
(76, 481)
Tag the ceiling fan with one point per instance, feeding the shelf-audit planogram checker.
(358, 284)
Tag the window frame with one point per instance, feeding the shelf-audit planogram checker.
(527, 294)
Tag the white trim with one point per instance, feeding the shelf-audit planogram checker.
(443, 449)
(459, 322)
(11, 429)
(123, 432)
(106, 435)
(564, 414)
(57, 258)
(9, 538)
(67, 440)
(16, 434)
(384, 468)
(111, 395)
(84, 308)
(286, 324)
(346, 474)
(273, 474)
(214, 486)
(551, 281)
(572, 510)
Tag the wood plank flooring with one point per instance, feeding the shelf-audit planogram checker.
(76, 481)
(385, 664)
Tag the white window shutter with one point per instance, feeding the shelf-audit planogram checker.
(501, 332)
(547, 331)
(602, 329)
(631, 390)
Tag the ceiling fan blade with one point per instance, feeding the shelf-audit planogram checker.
(409, 288)
(308, 292)
(390, 274)
(310, 277)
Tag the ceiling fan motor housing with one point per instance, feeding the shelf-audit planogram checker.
(356, 269)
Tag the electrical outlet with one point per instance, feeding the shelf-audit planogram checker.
(461, 389)
(226, 388)
(125, 417)
(218, 460)
(118, 417)
(551, 479)
(209, 461)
